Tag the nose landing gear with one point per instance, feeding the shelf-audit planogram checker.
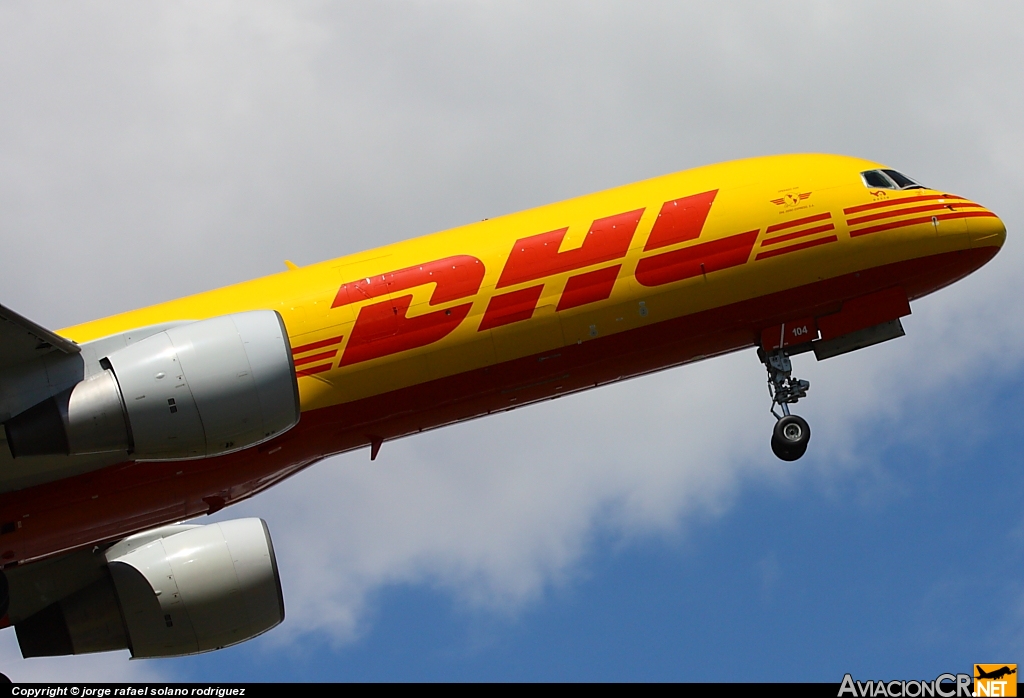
(791, 433)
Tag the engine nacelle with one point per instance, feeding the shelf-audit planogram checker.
(200, 589)
(196, 390)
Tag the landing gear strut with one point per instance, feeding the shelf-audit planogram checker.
(791, 433)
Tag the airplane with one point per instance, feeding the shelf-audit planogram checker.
(118, 430)
(995, 673)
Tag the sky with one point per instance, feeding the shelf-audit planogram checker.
(640, 531)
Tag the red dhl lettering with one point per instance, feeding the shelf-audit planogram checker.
(696, 260)
(683, 220)
(507, 308)
(591, 287)
(537, 257)
(680, 220)
(383, 328)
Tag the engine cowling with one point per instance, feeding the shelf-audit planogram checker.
(197, 590)
(196, 390)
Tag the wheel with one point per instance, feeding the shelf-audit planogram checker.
(790, 437)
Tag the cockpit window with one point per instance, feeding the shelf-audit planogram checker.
(888, 179)
(876, 180)
(902, 181)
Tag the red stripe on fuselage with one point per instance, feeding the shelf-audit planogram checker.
(903, 201)
(795, 248)
(798, 234)
(797, 221)
(907, 210)
(919, 220)
(317, 345)
(316, 357)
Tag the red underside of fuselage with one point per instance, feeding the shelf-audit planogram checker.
(118, 500)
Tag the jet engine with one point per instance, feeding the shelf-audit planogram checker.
(197, 589)
(196, 390)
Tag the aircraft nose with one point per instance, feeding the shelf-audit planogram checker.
(986, 230)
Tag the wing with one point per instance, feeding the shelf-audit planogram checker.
(23, 340)
(35, 363)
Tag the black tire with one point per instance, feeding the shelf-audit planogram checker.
(790, 437)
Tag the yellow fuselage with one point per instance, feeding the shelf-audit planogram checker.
(752, 196)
